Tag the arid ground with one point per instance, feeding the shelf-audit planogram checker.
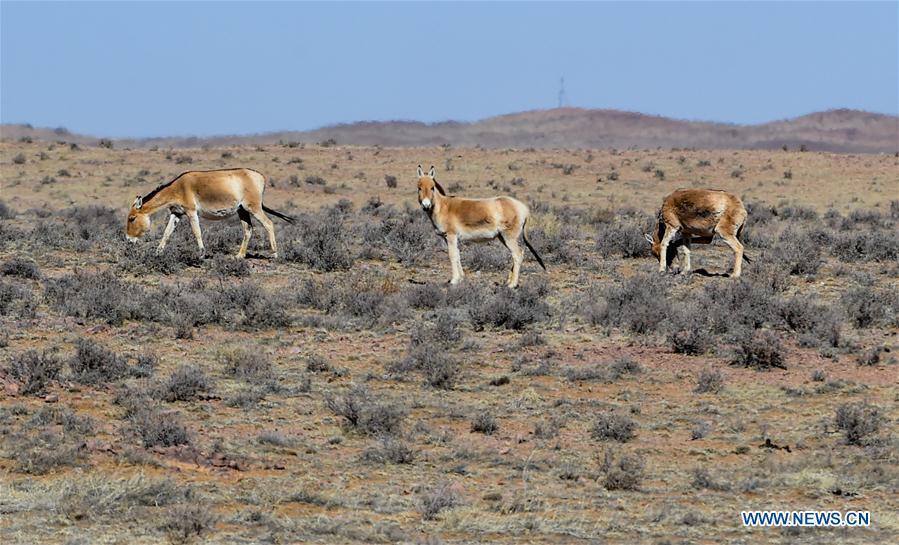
(343, 393)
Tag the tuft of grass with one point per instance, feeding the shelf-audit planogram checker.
(858, 421)
(432, 502)
(624, 472)
(762, 351)
(363, 413)
(95, 364)
(21, 267)
(158, 428)
(613, 427)
(184, 384)
(34, 371)
(709, 381)
(485, 423)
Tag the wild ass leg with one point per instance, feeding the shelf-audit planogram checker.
(670, 232)
(195, 227)
(452, 243)
(685, 263)
(731, 240)
(173, 221)
(246, 219)
(269, 228)
(511, 243)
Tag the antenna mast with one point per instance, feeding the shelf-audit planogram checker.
(562, 98)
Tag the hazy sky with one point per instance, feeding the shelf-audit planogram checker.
(153, 69)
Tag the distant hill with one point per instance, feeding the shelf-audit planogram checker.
(834, 130)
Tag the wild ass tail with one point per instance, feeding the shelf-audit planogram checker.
(277, 214)
(524, 235)
(740, 232)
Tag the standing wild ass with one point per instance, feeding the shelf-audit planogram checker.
(457, 219)
(212, 194)
(698, 215)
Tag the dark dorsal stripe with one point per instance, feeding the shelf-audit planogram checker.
(439, 188)
(159, 188)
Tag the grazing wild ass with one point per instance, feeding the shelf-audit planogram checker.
(457, 219)
(698, 215)
(212, 194)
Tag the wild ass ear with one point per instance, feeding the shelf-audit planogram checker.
(648, 237)
(138, 202)
(432, 173)
(420, 172)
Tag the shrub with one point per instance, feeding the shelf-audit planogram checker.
(10, 294)
(548, 428)
(105, 143)
(744, 304)
(484, 423)
(390, 181)
(19, 159)
(145, 366)
(798, 252)
(687, 333)
(361, 412)
(248, 306)
(390, 449)
(187, 521)
(709, 381)
(407, 235)
(431, 502)
(253, 366)
(613, 427)
(318, 364)
(34, 371)
(703, 480)
(640, 304)
(94, 364)
(439, 369)
(184, 384)
(866, 245)
(320, 241)
(6, 213)
(512, 309)
(159, 429)
(866, 306)
(624, 238)
(761, 350)
(224, 265)
(95, 296)
(623, 472)
(48, 451)
(485, 257)
(858, 421)
(23, 268)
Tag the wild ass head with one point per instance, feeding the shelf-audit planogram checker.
(428, 187)
(655, 242)
(138, 220)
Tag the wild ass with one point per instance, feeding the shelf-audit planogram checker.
(698, 215)
(457, 219)
(212, 194)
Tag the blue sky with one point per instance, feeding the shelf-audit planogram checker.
(154, 69)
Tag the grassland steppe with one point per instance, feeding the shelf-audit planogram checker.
(344, 393)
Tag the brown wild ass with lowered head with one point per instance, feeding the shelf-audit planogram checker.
(698, 215)
(457, 219)
(212, 194)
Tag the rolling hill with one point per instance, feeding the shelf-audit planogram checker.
(839, 130)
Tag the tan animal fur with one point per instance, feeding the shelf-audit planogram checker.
(457, 219)
(211, 194)
(698, 215)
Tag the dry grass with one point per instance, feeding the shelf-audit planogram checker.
(292, 401)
